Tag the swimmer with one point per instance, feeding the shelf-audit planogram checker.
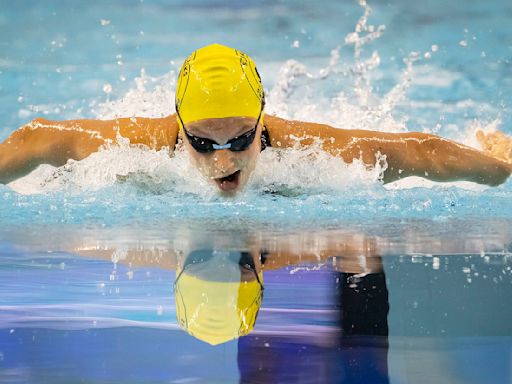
(220, 119)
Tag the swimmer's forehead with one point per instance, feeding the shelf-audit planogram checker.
(231, 126)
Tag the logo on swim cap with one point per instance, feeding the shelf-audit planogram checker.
(217, 81)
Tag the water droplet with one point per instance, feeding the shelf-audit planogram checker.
(107, 88)
(416, 259)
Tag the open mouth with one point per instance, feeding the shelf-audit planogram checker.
(229, 182)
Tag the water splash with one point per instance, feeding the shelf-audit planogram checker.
(353, 104)
(150, 97)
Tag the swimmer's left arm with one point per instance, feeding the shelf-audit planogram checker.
(152, 258)
(407, 154)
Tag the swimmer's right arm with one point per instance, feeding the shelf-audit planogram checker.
(55, 142)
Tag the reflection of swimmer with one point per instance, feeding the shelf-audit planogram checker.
(220, 118)
(218, 294)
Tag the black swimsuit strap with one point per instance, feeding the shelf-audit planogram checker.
(265, 139)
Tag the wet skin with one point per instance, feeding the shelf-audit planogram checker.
(407, 154)
(227, 169)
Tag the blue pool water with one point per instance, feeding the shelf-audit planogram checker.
(75, 308)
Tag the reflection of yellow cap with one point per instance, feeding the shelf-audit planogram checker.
(217, 81)
(217, 311)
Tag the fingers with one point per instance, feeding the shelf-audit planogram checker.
(496, 144)
(480, 136)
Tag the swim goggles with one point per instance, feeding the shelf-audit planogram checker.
(243, 259)
(236, 144)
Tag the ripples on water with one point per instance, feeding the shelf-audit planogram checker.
(324, 305)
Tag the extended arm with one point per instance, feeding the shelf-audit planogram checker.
(55, 142)
(348, 252)
(407, 154)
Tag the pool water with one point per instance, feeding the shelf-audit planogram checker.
(88, 250)
(109, 315)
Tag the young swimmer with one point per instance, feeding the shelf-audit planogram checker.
(220, 118)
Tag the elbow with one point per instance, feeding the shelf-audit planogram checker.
(498, 176)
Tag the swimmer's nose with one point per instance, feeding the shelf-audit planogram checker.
(224, 161)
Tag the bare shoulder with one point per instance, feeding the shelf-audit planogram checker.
(152, 132)
(290, 130)
(287, 133)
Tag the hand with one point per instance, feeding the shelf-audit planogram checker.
(496, 144)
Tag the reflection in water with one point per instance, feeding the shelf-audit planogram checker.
(355, 351)
(324, 317)
(218, 295)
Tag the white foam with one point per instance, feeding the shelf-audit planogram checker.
(153, 171)
(309, 170)
(419, 182)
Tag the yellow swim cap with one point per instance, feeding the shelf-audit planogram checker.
(217, 81)
(217, 311)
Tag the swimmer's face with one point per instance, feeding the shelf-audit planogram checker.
(227, 169)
